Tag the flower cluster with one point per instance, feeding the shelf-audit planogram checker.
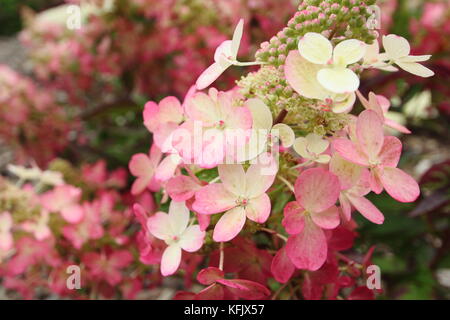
(54, 220)
(31, 122)
(251, 183)
(131, 45)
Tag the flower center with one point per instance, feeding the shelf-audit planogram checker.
(242, 202)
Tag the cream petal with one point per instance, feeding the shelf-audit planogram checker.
(338, 80)
(349, 52)
(315, 48)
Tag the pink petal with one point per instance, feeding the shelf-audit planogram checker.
(209, 76)
(282, 268)
(374, 181)
(139, 185)
(258, 209)
(181, 188)
(294, 218)
(213, 292)
(213, 198)
(167, 168)
(229, 225)
(367, 209)
(347, 150)
(73, 214)
(170, 110)
(328, 219)
(308, 250)
(192, 239)
(369, 130)
(399, 185)
(317, 189)
(390, 152)
(120, 259)
(209, 275)
(170, 260)
(345, 207)
(150, 115)
(396, 126)
(245, 289)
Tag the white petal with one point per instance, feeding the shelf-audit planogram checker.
(338, 80)
(237, 37)
(345, 105)
(316, 144)
(349, 51)
(302, 77)
(416, 69)
(178, 217)
(415, 58)
(285, 133)
(209, 76)
(192, 239)
(262, 117)
(233, 178)
(170, 260)
(300, 147)
(315, 48)
(396, 46)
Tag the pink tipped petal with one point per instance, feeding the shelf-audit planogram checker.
(139, 185)
(167, 168)
(374, 181)
(150, 115)
(369, 130)
(308, 250)
(345, 207)
(317, 189)
(390, 152)
(213, 198)
(367, 209)
(347, 150)
(258, 209)
(399, 185)
(140, 165)
(347, 172)
(233, 178)
(192, 239)
(209, 76)
(170, 110)
(170, 260)
(202, 108)
(204, 221)
(282, 268)
(294, 218)
(328, 219)
(159, 225)
(209, 275)
(259, 179)
(229, 225)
